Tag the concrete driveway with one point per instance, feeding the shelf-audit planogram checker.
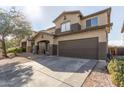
(44, 71)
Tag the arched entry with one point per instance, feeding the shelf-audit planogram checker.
(43, 47)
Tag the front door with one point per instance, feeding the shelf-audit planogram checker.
(43, 47)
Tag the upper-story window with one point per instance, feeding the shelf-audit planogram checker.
(65, 26)
(92, 22)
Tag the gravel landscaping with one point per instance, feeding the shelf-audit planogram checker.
(99, 77)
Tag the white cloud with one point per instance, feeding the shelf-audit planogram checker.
(116, 43)
(33, 13)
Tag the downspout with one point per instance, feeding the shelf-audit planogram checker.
(107, 40)
(106, 30)
(109, 27)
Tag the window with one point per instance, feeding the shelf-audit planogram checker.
(65, 27)
(92, 22)
(88, 23)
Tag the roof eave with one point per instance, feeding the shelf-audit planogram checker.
(96, 13)
(40, 33)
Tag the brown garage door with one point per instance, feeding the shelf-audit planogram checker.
(81, 48)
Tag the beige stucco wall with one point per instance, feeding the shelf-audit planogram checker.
(99, 33)
(73, 18)
(102, 20)
(28, 43)
(89, 34)
(45, 37)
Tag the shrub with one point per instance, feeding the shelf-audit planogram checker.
(117, 78)
(114, 66)
(116, 69)
(120, 58)
(122, 84)
(19, 50)
(11, 50)
(15, 50)
(23, 49)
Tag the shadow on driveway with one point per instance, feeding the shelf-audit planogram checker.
(63, 64)
(12, 75)
(46, 71)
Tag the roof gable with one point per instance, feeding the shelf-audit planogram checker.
(42, 32)
(68, 12)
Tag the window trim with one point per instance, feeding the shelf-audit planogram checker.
(65, 26)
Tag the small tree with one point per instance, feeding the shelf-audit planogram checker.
(14, 23)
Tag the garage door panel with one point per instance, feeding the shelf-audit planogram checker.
(86, 43)
(82, 48)
(86, 53)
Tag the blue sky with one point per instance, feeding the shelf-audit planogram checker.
(42, 17)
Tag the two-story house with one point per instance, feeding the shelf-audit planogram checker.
(76, 35)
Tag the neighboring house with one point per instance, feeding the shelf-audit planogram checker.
(118, 50)
(27, 42)
(76, 35)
